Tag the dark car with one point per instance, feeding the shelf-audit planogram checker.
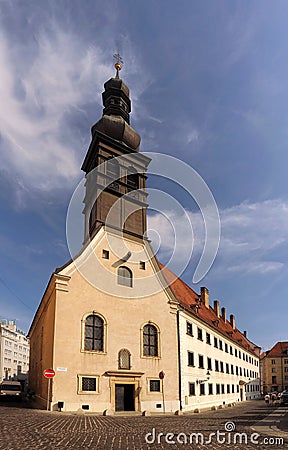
(284, 399)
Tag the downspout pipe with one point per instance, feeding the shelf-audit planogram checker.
(179, 361)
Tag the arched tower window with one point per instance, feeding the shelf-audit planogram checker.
(132, 178)
(94, 333)
(124, 276)
(124, 359)
(150, 340)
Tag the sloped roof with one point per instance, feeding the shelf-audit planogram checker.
(279, 349)
(189, 299)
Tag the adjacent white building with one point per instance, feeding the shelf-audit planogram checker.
(14, 351)
(218, 364)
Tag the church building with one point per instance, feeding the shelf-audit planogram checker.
(119, 330)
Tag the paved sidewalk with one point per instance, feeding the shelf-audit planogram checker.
(30, 429)
(272, 424)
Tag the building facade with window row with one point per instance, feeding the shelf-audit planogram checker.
(14, 352)
(274, 368)
(120, 330)
(218, 364)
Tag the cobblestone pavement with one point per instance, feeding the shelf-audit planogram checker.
(30, 429)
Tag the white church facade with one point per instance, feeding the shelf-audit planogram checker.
(119, 332)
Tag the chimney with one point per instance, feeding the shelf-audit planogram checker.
(232, 321)
(223, 314)
(217, 308)
(245, 333)
(204, 296)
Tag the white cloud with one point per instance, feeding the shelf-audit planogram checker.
(35, 98)
(193, 136)
(41, 88)
(252, 237)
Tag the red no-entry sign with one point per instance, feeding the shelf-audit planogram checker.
(49, 373)
(161, 375)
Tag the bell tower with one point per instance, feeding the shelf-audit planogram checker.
(115, 170)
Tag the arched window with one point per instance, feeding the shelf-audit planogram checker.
(150, 340)
(112, 168)
(132, 178)
(125, 276)
(124, 357)
(94, 333)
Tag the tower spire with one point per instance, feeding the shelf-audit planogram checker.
(118, 64)
(112, 137)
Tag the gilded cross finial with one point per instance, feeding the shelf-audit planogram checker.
(118, 64)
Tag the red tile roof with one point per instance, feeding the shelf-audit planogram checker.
(189, 300)
(279, 349)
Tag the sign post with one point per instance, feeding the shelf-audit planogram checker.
(48, 373)
(161, 376)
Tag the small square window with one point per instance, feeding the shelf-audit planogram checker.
(142, 265)
(154, 385)
(88, 384)
(105, 254)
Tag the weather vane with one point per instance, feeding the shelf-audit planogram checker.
(118, 64)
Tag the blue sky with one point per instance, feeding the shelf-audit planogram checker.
(208, 82)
